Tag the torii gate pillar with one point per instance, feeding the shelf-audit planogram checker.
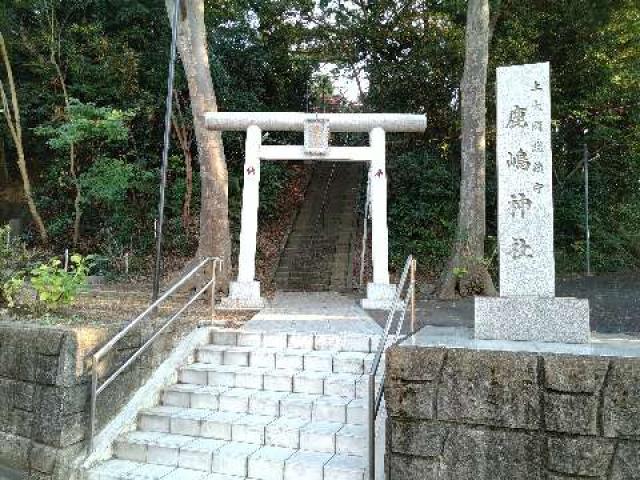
(245, 292)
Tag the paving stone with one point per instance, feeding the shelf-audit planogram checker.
(112, 469)
(218, 425)
(300, 341)
(250, 378)
(238, 356)
(330, 409)
(184, 474)
(194, 375)
(309, 382)
(264, 402)
(264, 358)
(340, 385)
(268, 463)
(274, 340)
(250, 339)
(219, 337)
(352, 440)
(345, 467)
(207, 397)
(319, 436)
(298, 405)
(349, 362)
(232, 458)
(250, 429)
(236, 400)
(188, 421)
(133, 445)
(357, 411)
(157, 419)
(211, 354)
(285, 432)
(290, 360)
(165, 448)
(306, 466)
(318, 361)
(148, 472)
(198, 455)
(279, 381)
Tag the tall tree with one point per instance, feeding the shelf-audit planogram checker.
(466, 272)
(12, 114)
(214, 236)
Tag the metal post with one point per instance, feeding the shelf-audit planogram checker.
(165, 149)
(372, 426)
(94, 386)
(586, 207)
(413, 296)
(214, 264)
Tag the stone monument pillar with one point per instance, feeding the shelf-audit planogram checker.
(245, 291)
(380, 292)
(527, 308)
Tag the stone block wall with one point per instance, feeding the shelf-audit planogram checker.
(457, 414)
(45, 390)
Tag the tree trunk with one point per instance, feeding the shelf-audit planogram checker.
(4, 169)
(215, 238)
(466, 273)
(15, 129)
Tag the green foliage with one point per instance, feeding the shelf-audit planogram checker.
(107, 181)
(11, 288)
(56, 286)
(422, 209)
(15, 261)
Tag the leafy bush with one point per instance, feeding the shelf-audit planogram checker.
(56, 286)
(15, 261)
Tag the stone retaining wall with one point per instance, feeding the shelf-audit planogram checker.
(464, 414)
(45, 389)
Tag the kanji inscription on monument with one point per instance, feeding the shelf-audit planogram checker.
(527, 308)
(525, 210)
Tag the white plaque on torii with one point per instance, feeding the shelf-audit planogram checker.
(245, 291)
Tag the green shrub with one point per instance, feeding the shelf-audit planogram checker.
(56, 286)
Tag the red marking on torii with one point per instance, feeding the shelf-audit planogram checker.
(251, 171)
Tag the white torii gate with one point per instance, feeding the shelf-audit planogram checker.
(245, 292)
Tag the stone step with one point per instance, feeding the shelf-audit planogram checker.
(307, 404)
(312, 441)
(349, 384)
(297, 341)
(328, 361)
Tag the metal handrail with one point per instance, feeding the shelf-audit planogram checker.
(375, 398)
(365, 233)
(216, 263)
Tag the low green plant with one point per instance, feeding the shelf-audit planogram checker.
(56, 286)
(11, 288)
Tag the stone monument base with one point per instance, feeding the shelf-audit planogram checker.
(532, 318)
(379, 296)
(243, 296)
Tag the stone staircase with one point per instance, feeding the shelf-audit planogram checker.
(259, 405)
(317, 256)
